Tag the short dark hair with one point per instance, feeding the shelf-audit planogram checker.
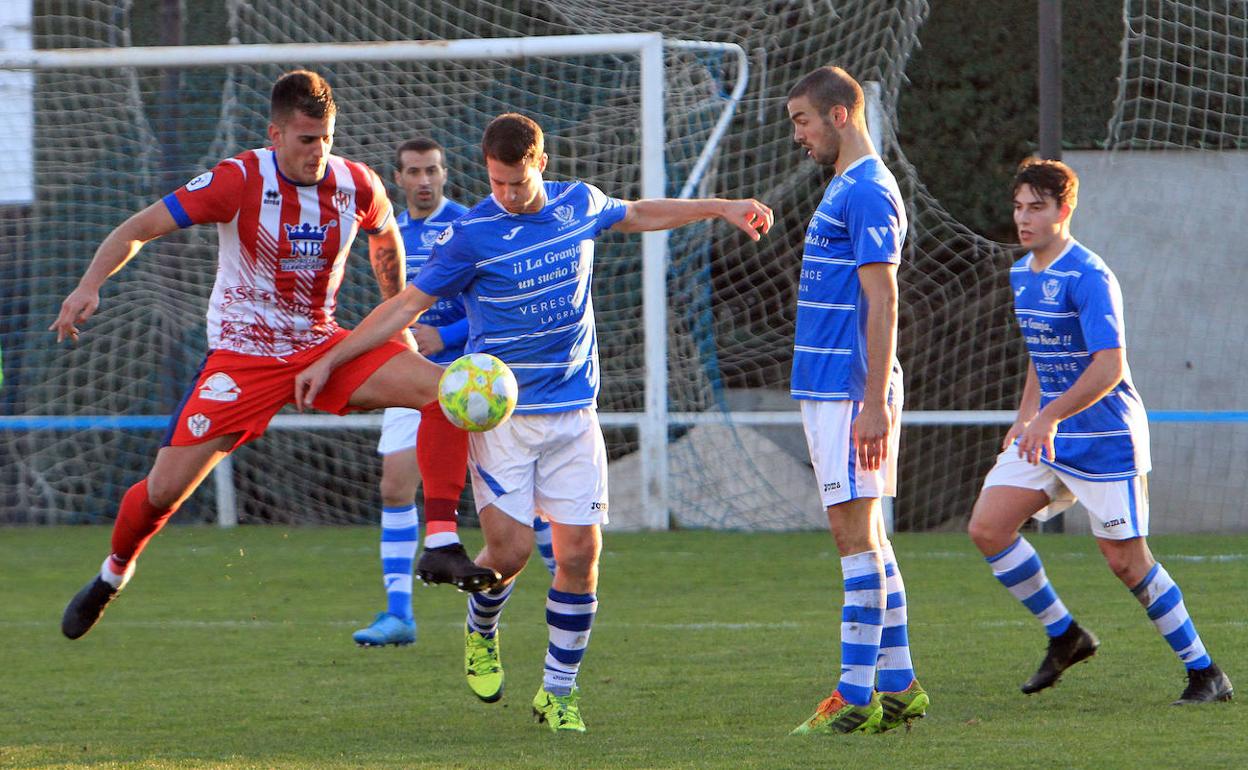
(512, 138)
(1048, 179)
(304, 91)
(419, 144)
(828, 87)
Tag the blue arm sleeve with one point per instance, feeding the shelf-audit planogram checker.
(454, 334)
(1098, 300)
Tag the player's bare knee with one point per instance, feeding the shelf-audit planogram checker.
(162, 494)
(396, 492)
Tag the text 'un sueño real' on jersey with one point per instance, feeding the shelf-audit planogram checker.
(448, 313)
(1067, 312)
(282, 247)
(526, 284)
(859, 221)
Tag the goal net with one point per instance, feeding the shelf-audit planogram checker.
(109, 141)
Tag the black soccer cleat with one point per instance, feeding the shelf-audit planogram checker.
(1065, 650)
(1206, 685)
(451, 564)
(86, 608)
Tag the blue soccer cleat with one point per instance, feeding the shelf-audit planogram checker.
(386, 629)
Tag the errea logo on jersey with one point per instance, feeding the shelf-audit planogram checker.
(199, 182)
(220, 387)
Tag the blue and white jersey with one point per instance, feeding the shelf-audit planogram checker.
(861, 220)
(526, 285)
(1066, 313)
(447, 313)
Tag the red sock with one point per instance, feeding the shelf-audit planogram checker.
(137, 521)
(442, 454)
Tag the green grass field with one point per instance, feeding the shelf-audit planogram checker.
(232, 649)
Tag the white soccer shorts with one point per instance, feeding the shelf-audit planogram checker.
(1118, 510)
(553, 464)
(399, 426)
(828, 433)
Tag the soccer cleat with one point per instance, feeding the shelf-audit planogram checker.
(1065, 650)
(483, 666)
(386, 629)
(836, 715)
(451, 564)
(561, 713)
(902, 708)
(1206, 685)
(86, 608)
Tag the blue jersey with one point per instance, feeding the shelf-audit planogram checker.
(1067, 312)
(526, 285)
(447, 313)
(859, 221)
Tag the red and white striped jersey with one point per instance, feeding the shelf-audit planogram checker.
(282, 247)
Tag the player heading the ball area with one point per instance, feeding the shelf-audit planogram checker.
(286, 216)
(848, 381)
(1081, 432)
(523, 259)
(418, 445)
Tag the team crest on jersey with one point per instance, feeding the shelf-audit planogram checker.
(306, 240)
(445, 235)
(220, 387)
(1050, 289)
(563, 215)
(199, 182)
(427, 237)
(342, 201)
(198, 424)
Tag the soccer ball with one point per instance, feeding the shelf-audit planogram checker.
(477, 392)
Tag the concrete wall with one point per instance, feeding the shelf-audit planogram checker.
(1173, 226)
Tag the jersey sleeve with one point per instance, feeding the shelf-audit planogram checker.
(606, 209)
(1098, 300)
(213, 196)
(451, 266)
(455, 333)
(874, 221)
(377, 214)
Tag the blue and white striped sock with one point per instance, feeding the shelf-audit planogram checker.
(484, 608)
(569, 618)
(400, 536)
(894, 671)
(1019, 569)
(862, 619)
(542, 536)
(1163, 601)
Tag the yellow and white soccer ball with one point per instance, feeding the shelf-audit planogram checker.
(477, 392)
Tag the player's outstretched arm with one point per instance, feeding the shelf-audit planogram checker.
(118, 248)
(387, 319)
(1101, 376)
(750, 216)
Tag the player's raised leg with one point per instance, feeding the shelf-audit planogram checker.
(443, 456)
(994, 528)
(144, 509)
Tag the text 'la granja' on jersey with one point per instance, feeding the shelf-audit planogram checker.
(448, 313)
(859, 221)
(282, 247)
(526, 285)
(1068, 312)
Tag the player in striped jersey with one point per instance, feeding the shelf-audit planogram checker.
(523, 258)
(1081, 432)
(848, 382)
(286, 216)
